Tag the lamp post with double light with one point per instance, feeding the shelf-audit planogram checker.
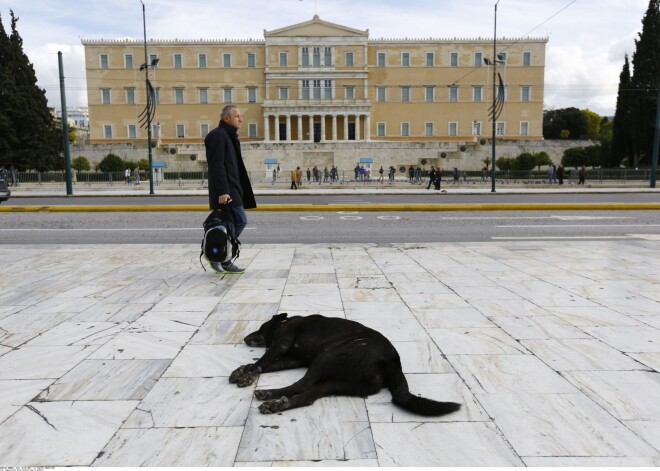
(150, 109)
(498, 95)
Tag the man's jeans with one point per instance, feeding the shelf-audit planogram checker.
(240, 219)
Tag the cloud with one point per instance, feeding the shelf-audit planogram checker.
(45, 61)
(585, 51)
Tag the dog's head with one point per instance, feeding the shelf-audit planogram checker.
(264, 336)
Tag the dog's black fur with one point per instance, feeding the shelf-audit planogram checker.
(344, 358)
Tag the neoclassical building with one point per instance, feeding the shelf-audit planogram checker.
(317, 82)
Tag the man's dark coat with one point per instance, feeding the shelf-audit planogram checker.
(227, 172)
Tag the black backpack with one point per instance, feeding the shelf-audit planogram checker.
(219, 243)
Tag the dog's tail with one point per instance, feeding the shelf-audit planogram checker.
(401, 396)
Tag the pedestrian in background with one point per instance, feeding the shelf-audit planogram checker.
(431, 177)
(582, 175)
(294, 178)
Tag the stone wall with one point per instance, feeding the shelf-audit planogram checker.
(345, 155)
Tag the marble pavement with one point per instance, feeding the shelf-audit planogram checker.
(119, 355)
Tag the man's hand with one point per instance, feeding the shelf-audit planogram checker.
(224, 199)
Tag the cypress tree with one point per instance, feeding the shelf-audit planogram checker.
(8, 140)
(622, 140)
(646, 70)
(34, 142)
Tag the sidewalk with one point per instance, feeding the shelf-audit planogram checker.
(198, 188)
(119, 355)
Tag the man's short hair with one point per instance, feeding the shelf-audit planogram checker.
(226, 111)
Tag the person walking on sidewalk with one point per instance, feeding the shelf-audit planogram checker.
(560, 174)
(431, 177)
(229, 182)
(582, 175)
(294, 179)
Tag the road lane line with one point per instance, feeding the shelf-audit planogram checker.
(546, 226)
(561, 237)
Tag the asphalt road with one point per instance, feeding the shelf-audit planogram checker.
(431, 197)
(331, 227)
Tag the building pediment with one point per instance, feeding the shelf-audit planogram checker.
(315, 27)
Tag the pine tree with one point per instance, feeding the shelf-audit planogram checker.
(646, 70)
(622, 141)
(34, 139)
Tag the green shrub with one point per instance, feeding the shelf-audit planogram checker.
(80, 163)
(112, 163)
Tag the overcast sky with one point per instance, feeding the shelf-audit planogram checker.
(584, 55)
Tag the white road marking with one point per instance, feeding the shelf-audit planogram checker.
(561, 237)
(564, 218)
(546, 226)
(585, 218)
(131, 229)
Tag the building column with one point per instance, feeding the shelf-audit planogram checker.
(322, 127)
(334, 127)
(367, 127)
(311, 128)
(267, 128)
(300, 134)
(288, 127)
(346, 127)
(357, 127)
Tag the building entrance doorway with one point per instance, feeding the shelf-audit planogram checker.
(317, 132)
(351, 131)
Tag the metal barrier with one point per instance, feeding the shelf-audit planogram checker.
(200, 178)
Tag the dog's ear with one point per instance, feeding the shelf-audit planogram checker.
(281, 317)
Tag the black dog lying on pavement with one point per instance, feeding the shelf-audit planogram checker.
(344, 358)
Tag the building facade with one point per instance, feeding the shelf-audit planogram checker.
(316, 82)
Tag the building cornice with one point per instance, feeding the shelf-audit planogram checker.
(172, 42)
(421, 41)
(261, 42)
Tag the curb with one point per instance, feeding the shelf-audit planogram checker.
(342, 207)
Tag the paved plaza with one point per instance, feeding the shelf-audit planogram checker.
(120, 355)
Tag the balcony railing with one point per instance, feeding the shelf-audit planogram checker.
(317, 102)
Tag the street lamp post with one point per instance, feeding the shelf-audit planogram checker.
(492, 170)
(65, 129)
(147, 109)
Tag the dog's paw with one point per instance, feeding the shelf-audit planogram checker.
(274, 406)
(248, 377)
(263, 394)
(237, 373)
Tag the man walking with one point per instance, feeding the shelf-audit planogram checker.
(229, 182)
